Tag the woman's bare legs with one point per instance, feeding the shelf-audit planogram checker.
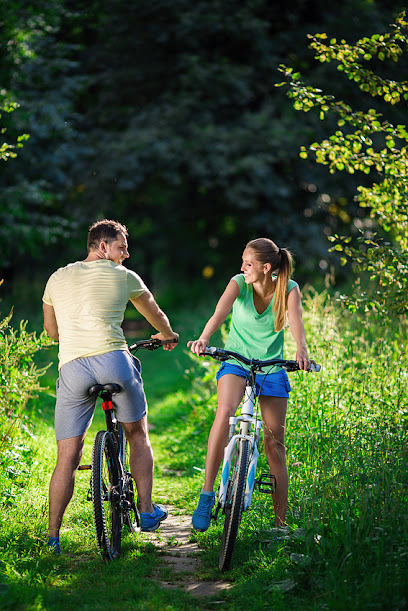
(274, 418)
(230, 391)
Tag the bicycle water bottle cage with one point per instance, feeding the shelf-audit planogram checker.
(266, 483)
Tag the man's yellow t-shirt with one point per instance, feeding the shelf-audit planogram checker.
(89, 300)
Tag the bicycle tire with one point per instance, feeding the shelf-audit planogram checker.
(105, 496)
(234, 504)
(131, 513)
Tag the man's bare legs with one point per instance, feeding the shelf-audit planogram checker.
(230, 391)
(63, 480)
(274, 418)
(141, 461)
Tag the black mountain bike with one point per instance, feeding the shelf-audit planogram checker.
(112, 491)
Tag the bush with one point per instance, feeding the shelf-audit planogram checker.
(19, 381)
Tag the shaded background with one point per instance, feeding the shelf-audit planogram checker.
(164, 115)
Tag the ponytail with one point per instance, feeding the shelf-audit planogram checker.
(280, 303)
(280, 259)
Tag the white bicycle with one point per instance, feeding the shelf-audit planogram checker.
(238, 475)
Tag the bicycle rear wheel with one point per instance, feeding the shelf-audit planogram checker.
(106, 496)
(234, 503)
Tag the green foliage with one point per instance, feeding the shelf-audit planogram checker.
(190, 142)
(387, 267)
(7, 151)
(374, 146)
(19, 381)
(19, 376)
(36, 71)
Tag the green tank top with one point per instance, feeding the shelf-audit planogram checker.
(251, 334)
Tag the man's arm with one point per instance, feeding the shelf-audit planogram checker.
(147, 306)
(50, 321)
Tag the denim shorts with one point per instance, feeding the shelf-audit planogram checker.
(270, 385)
(75, 407)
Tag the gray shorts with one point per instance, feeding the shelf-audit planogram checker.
(75, 407)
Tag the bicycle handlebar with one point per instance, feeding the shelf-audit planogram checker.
(222, 355)
(151, 344)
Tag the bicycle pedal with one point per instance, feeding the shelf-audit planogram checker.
(84, 467)
(266, 483)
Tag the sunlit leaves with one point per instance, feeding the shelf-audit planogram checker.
(7, 151)
(369, 144)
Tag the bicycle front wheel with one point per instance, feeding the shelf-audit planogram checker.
(234, 503)
(106, 495)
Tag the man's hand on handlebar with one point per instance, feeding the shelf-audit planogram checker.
(198, 346)
(167, 337)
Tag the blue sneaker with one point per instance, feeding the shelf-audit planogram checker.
(54, 546)
(202, 514)
(151, 521)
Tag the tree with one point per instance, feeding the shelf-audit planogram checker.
(369, 143)
(188, 136)
(164, 113)
(37, 72)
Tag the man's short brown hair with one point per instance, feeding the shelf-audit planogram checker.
(104, 231)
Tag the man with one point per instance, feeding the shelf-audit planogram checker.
(84, 304)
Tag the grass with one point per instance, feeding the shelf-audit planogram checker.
(346, 545)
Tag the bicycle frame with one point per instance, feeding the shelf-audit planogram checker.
(247, 423)
(117, 433)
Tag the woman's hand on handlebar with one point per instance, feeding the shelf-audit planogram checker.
(302, 358)
(198, 346)
(167, 337)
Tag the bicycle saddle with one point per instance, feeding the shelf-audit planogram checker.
(97, 388)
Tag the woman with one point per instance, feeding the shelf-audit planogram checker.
(263, 298)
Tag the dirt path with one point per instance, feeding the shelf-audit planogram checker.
(182, 557)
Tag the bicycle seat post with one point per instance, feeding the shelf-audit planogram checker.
(107, 407)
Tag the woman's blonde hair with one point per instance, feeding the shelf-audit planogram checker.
(280, 259)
